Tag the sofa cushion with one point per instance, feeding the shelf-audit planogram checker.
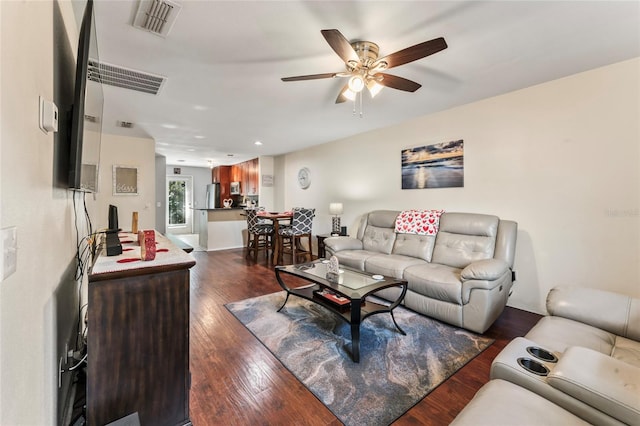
(599, 381)
(391, 265)
(382, 218)
(378, 239)
(438, 282)
(418, 246)
(503, 403)
(557, 334)
(354, 258)
(627, 350)
(465, 238)
(614, 312)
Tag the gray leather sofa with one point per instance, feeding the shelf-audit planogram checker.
(594, 336)
(501, 403)
(462, 275)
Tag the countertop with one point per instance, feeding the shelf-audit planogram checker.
(222, 209)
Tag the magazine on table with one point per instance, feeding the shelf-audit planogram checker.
(333, 297)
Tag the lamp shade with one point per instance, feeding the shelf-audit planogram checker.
(335, 208)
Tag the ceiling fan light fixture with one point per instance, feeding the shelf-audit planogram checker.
(374, 87)
(349, 94)
(356, 83)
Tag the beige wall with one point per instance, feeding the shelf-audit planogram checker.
(42, 214)
(561, 158)
(131, 152)
(39, 302)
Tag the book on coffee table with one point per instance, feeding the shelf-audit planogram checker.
(332, 297)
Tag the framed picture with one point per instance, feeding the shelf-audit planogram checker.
(440, 165)
(235, 188)
(125, 180)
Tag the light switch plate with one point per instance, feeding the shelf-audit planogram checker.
(9, 243)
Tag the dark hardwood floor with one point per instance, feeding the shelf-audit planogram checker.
(237, 381)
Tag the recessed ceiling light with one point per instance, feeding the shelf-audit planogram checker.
(180, 161)
(257, 143)
(229, 155)
(199, 137)
(169, 126)
(191, 150)
(200, 107)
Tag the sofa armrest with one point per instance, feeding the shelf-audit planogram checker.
(489, 270)
(609, 311)
(603, 382)
(336, 244)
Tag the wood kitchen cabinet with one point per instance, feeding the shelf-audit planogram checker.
(222, 175)
(247, 174)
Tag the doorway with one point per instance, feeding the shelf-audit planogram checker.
(179, 203)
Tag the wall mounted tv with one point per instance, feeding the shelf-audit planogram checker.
(86, 112)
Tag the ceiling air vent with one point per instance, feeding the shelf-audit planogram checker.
(156, 16)
(126, 78)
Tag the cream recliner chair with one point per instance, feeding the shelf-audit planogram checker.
(593, 372)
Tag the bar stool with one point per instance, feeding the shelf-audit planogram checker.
(259, 234)
(291, 236)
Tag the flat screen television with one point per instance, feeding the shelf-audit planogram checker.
(86, 112)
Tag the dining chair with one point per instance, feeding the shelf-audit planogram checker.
(291, 236)
(259, 234)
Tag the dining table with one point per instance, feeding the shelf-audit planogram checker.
(276, 218)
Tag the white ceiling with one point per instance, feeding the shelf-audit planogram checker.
(223, 61)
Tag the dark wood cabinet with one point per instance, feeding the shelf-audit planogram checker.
(222, 175)
(247, 174)
(138, 340)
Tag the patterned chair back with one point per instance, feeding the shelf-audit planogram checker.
(302, 221)
(254, 223)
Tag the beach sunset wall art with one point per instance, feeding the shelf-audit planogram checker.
(440, 165)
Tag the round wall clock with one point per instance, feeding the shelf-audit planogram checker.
(304, 178)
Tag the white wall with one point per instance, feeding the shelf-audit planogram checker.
(561, 158)
(134, 152)
(161, 202)
(267, 193)
(42, 213)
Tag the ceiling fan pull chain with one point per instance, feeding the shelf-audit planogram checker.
(360, 104)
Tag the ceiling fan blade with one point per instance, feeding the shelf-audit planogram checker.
(413, 53)
(396, 82)
(340, 45)
(311, 76)
(341, 97)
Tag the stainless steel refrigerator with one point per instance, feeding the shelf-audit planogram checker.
(212, 199)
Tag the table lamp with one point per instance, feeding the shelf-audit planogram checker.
(336, 210)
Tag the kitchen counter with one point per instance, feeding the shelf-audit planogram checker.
(223, 228)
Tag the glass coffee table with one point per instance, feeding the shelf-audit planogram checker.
(343, 294)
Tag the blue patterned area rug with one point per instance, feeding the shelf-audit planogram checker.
(395, 371)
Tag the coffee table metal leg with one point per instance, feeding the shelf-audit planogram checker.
(355, 329)
(394, 322)
(285, 302)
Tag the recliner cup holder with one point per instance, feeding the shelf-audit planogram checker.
(542, 354)
(533, 366)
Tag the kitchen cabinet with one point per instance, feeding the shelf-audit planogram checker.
(222, 175)
(247, 173)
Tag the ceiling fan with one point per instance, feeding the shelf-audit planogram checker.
(364, 68)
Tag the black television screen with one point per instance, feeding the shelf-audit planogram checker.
(86, 112)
